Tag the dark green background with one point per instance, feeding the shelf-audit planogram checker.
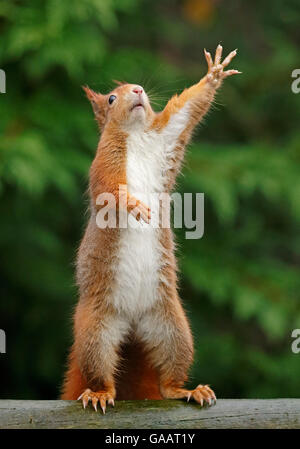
(240, 283)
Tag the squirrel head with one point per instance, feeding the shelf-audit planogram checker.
(126, 106)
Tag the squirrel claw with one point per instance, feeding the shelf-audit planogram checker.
(103, 404)
(85, 399)
(94, 402)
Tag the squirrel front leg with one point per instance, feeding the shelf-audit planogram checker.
(103, 182)
(183, 112)
(187, 109)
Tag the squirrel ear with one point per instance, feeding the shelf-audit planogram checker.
(119, 83)
(97, 101)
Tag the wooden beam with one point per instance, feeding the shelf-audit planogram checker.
(227, 413)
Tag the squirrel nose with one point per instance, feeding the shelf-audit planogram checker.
(137, 90)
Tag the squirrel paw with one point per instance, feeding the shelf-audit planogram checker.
(216, 69)
(202, 394)
(102, 397)
(139, 210)
(133, 205)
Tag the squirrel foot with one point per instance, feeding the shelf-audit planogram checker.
(138, 209)
(201, 394)
(102, 397)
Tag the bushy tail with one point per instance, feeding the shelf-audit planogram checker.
(74, 383)
(136, 379)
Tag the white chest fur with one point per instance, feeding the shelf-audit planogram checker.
(137, 273)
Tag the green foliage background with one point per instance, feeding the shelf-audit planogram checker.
(240, 283)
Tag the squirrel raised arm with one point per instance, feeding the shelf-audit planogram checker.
(183, 112)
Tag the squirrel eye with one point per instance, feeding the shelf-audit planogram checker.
(111, 99)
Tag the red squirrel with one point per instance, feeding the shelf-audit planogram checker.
(132, 339)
